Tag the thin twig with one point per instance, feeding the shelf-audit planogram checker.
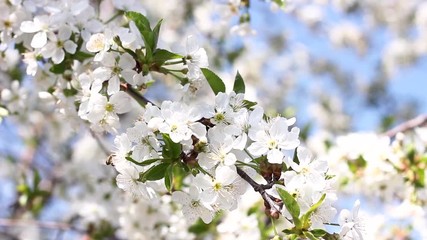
(25, 223)
(100, 143)
(408, 125)
(259, 188)
(136, 95)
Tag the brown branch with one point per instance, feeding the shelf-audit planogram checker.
(260, 188)
(100, 143)
(25, 223)
(135, 94)
(408, 125)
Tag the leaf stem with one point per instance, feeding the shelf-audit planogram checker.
(114, 17)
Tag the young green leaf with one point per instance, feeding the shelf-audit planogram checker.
(318, 232)
(310, 236)
(239, 84)
(143, 163)
(156, 31)
(280, 3)
(147, 34)
(169, 177)
(214, 81)
(69, 92)
(171, 149)
(81, 56)
(291, 205)
(156, 172)
(140, 20)
(161, 55)
(249, 104)
(59, 68)
(306, 217)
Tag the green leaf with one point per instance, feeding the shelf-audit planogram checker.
(69, 92)
(156, 172)
(199, 227)
(318, 232)
(143, 163)
(214, 81)
(169, 177)
(281, 3)
(306, 217)
(58, 68)
(295, 158)
(149, 44)
(239, 84)
(140, 20)
(310, 236)
(161, 55)
(291, 205)
(156, 31)
(147, 34)
(36, 179)
(81, 56)
(357, 164)
(420, 178)
(171, 149)
(249, 104)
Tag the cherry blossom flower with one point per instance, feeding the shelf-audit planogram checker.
(58, 45)
(273, 140)
(192, 206)
(103, 114)
(351, 224)
(219, 146)
(219, 191)
(197, 58)
(41, 25)
(114, 68)
(128, 181)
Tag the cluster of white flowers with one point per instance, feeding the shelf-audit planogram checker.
(393, 168)
(218, 137)
(94, 70)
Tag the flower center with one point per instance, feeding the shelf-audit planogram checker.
(219, 117)
(195, 204)
(217, 186)
(272, 144)
(60, 44)
(109, 107)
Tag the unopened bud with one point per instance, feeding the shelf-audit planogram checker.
(274, 214)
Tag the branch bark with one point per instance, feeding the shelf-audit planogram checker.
(408, 125)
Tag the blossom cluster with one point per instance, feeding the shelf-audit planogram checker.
(205, 155)
(393, 166)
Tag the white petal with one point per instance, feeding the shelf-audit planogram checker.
(128, 75)
(39, 40)
(257, 149)
(226, 175)
(192, 45)
(58, 56)
(29, 27)
(113, 85)
(205, 215)
(64, 33)
(121, 102)
(70, 46)
(126, 61)
(102, 73)
(181, 198)
(275, 156)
